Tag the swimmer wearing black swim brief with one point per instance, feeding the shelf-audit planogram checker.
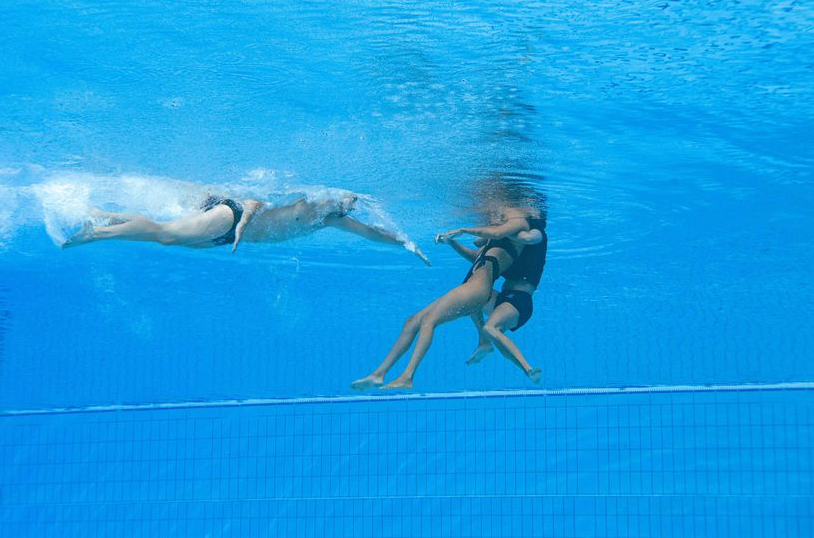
(523, 277)
(496, 255)
(224, 221)
(513, 306)
(486, 255)
(237, 213)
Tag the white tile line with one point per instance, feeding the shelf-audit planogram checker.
(806, 385)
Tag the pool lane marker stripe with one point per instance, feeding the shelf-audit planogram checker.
(390, 397)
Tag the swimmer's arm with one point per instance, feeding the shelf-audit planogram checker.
(250, 208)
(510, 227)
(379, 235)
(466, 252)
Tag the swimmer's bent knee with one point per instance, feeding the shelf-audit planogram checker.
(492, 330)
(411, 323)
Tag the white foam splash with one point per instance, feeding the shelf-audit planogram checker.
(64, 205)
(9, 197)
(67, 198)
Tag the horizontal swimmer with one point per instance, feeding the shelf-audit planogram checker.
(224, 221)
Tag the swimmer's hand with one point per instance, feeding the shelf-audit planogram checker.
(423, 256)
(250, 207)
(445, 237)
(238, 234)
(412, 247)
(239, 231)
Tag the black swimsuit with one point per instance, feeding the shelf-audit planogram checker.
(521, 301)
(237, 212)
(506, 244)
(528, 267)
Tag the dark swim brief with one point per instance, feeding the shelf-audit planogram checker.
(237, 212)
(482, 257)
(521, 300)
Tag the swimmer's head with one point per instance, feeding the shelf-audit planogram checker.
(499, 198)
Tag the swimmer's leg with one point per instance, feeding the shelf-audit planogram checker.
(194, 230)
(461, 301)
(503, 318)
(138, 228)
(484, 343)
(403, 343)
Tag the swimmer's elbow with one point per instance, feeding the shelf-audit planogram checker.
(530, 237)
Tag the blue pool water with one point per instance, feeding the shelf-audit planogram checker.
(670, 140)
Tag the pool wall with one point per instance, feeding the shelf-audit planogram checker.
(684, 464)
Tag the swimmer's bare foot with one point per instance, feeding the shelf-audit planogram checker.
(399, 383)
(480, 353)
(85, 235)
(368, 382)
(534, 374)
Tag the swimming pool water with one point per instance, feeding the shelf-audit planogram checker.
(670, 140)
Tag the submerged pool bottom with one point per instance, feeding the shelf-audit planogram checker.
(737, 463)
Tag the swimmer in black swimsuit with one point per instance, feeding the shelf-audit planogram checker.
(495, 257)
(237, 213)
(513, 306)
(224, 221)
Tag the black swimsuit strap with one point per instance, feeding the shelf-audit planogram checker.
(495, 265)
(504, 243)
(536, 224)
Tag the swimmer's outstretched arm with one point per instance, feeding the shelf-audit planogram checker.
(250, 209)
(510, 227)
(531, 237)
(379, 235)
(467, 253)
